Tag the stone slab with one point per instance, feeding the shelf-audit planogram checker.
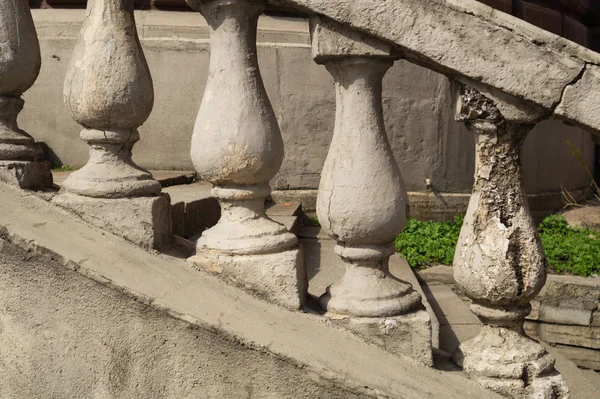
(408, 335)
(308, 198)
(529, 57)
(26, 175)
(145, 221)
(581, 100)
(587, 337)
(586, 216)
(277, 277)
(582, 357)
(166, 178)
(291, 208)
(436, 275)
(565, 315)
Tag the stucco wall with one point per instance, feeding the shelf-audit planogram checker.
(65, 336)
(427, 142)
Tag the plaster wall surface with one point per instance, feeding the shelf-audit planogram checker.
(65, 336)
(426, 141)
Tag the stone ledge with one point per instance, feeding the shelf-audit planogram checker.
(169, 284)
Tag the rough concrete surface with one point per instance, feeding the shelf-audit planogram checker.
(425, 140)
(169, 284)
(145, 221)
(66, 336)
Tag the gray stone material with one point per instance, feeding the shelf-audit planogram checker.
(202, 302)
(237, 146)
(73, 337)
(19, 68)
(581, 99)
(108, 90)
(582, 357)
(565, 315)
(145, 221)
(362, 200)
(26, 174)
(499, 261)
(405, 335)
(587, 337)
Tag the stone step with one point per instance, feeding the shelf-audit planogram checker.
(195, 210)
(458, 324)
(324, 268)
(201, 304)
(165, 177)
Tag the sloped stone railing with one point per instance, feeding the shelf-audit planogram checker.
(509, 76)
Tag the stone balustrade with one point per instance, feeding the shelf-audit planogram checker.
(362, 201)
(237, 146)
(108, 90)
(499, 262)
(20, 157)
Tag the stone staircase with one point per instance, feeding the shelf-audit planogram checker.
(113, 319)
(451, 320)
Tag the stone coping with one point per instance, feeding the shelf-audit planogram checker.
(168, 25)
(168, 283)
(473, 43)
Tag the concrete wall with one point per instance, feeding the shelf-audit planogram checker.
(427, 142)
(65, 336)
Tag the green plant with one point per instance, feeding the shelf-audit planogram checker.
(570, 249)
(424, 243)
(63, 168)
(314, 221)
(577, 154)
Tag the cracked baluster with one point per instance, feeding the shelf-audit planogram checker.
(237, 146)
(20, 158)
(362, 200)
(500, 263)
(108, 90)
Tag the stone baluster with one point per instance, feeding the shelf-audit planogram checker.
(108, 90)
(500, 263)
(362, 201)
(237, 146)
(20, 158)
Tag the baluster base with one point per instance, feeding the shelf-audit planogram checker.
(278, 277)
(405, 335)
(251, 251)
(367, 289)
(145, 221)
(25, 174)
(511, 364)
(110, 171)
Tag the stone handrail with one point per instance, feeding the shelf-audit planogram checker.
(475, 44)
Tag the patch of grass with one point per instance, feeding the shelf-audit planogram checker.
(426, 243)
(570, 249)
(63, 168)
(314, 221)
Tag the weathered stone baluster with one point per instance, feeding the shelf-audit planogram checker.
(19, 68)
(500, 263)
(237, 147)
(108, 90)
(362, 200)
